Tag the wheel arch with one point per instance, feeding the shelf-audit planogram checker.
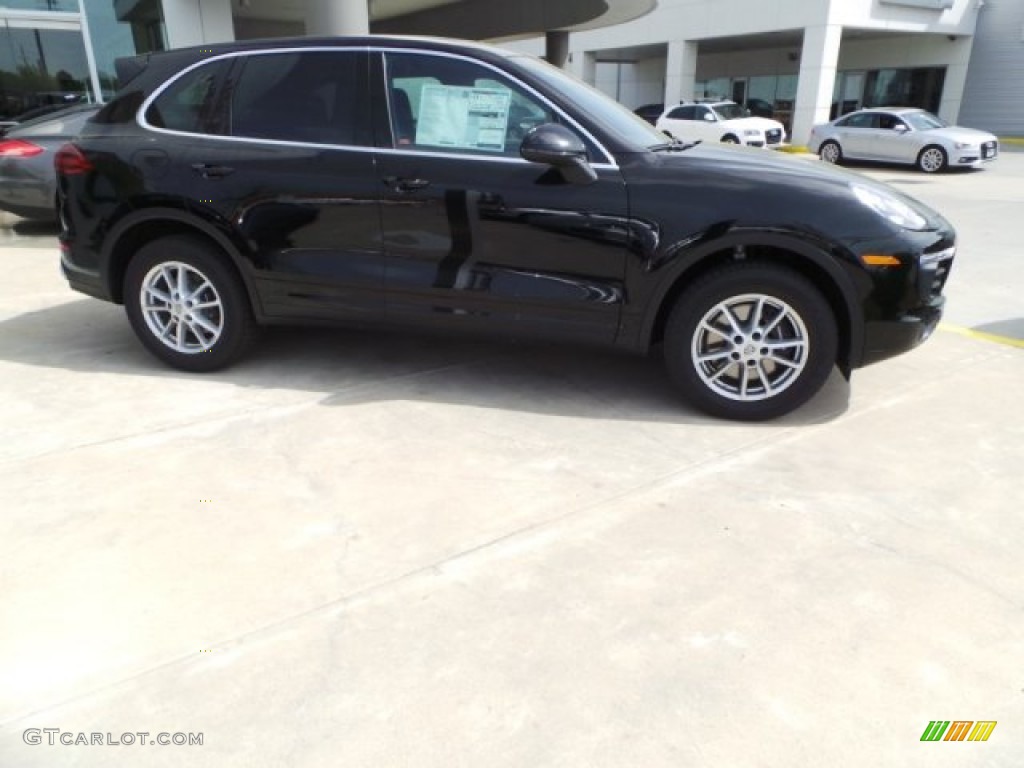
(806, 258)
(142, 227)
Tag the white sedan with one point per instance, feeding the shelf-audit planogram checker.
(902, 135)
(724, 121)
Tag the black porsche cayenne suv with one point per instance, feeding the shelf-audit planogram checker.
(445, 185)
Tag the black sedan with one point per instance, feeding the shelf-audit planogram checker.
(438, 185)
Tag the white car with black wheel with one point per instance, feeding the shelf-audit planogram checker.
(724, 121)
(902, 135)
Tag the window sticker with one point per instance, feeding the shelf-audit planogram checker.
(463, 117)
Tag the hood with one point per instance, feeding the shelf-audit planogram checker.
(761, 123)
(956, 133)
(768, 188)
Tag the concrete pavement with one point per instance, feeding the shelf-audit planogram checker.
(367, 550)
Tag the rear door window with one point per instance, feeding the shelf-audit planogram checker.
(317, 97)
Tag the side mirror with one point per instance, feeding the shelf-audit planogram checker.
(900, 128)
(555, 145)
(709, 117)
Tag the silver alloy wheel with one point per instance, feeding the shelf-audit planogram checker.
(750, 347)
(181, 307)
(932, 160)
(830, 152)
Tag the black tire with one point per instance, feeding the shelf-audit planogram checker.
(214, 332)
(730, 139)
(738, 382)
(831, 152)
(932, 159)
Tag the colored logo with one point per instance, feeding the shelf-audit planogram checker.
(958, 730)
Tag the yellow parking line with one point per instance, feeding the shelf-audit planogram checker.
(983, 336)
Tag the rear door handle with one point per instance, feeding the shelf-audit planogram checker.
(404, 184)
(210, 171)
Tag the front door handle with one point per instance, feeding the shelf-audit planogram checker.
(210, 171)
(405, 184)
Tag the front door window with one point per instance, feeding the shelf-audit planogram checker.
(452, 105)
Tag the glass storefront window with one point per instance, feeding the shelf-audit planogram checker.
(40, 5)
(920, 87)
(41, 67)
(43, 60)
(716, 88)
(122, 28)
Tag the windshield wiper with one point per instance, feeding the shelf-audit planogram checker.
(674, 146)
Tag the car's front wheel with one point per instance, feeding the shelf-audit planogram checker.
(831, 153)
(730, 139)
(186, 305)
(932, 159)
(750, 341)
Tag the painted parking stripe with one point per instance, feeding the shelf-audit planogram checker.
(983, 336)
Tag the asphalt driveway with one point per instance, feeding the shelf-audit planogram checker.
(362, 549)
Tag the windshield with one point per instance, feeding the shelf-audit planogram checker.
(609, 113)
(924, 121)
(729, 111)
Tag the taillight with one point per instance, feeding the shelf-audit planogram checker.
(70, 161)
(19, 148)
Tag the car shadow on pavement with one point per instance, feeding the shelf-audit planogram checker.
(908, 174)
(355, 366)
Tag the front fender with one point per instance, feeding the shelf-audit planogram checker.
(819, 260)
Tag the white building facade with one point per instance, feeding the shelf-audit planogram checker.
(803, 60)
(808, 60)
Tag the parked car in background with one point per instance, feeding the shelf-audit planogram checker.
(35, 113)
(650, 112)
(902, 135)
(724, 121)
(28, 182)
(234, 185)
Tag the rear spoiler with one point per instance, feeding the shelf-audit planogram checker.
(130, 67)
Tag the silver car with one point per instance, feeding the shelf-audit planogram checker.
(902, 135)
(28, 182)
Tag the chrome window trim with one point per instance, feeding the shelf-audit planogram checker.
(140, 115)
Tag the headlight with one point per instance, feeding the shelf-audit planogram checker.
(751, 132)
(965, 145)
(890, 207)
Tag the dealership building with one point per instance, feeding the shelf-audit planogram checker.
(806, 60)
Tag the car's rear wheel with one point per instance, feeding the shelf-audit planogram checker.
(186, 305)
(750, 341)
(830, 152)
(932, 159)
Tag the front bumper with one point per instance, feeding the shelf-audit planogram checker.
(908, 306)
(761, 142)
(888, 338)
(974, 157)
